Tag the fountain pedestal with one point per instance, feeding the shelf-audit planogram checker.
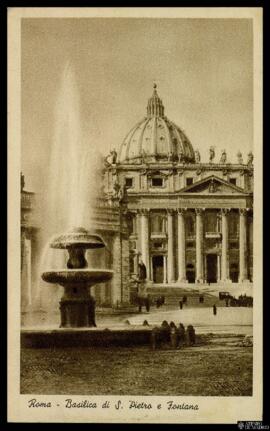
(77, 306)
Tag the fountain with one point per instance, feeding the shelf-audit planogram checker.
(77, 306)
(70, 200)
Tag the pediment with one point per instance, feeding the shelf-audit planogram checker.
(212, 185)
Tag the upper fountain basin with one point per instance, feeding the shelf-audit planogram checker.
(77, 237)
(66, 276)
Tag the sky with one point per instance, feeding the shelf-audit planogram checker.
(202, 67)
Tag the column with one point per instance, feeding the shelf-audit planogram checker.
(224, 246)
(102, 286)
(199, 245)
(218, 268)
(136, 262)
(171, 256)
(165, 269)
(26, 282)
(243, 245)
(145, 240)
(181, 246)
(116, 280)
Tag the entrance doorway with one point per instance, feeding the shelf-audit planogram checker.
(211, 262)
(234, 272)
(158, 270)
(190, 273)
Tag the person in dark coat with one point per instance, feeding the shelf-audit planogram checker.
(142, 270)
(142, 299)
(191, 335)
(181, 334)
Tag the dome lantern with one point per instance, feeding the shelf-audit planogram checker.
(155, 106)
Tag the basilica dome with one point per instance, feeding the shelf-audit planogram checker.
(155, 138)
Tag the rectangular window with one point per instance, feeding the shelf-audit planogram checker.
(157, 182)
(189, 181)
(129, 182)
(157, 224)
(233, 181)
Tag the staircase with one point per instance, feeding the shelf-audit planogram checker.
(173, 294)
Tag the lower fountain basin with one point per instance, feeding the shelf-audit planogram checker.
(89, 276)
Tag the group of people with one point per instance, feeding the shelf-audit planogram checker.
(242, 301)
(170, 333)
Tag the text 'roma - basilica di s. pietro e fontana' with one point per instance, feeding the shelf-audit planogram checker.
(190, 222)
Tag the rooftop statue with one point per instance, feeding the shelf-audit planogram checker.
(22, 182)
(240, 158)
(223, 158)
(211, 154)
(197, 156)
(250, 159)
(111, 158)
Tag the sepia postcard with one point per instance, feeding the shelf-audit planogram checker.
(135, 215)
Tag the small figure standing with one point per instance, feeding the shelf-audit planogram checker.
(181, 304)
(142, 270)
(141, 294)
(173, 337)
(214, 309)
(147, 303)
(181, 334)
(191, 335)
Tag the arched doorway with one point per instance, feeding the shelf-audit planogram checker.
(190, 273)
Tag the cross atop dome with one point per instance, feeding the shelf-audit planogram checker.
(155, 106)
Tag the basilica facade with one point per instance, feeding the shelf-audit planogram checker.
(191, 222)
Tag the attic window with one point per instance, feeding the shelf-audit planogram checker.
(233, 181)
(129, 182)
(189, 181)
(157, 182)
